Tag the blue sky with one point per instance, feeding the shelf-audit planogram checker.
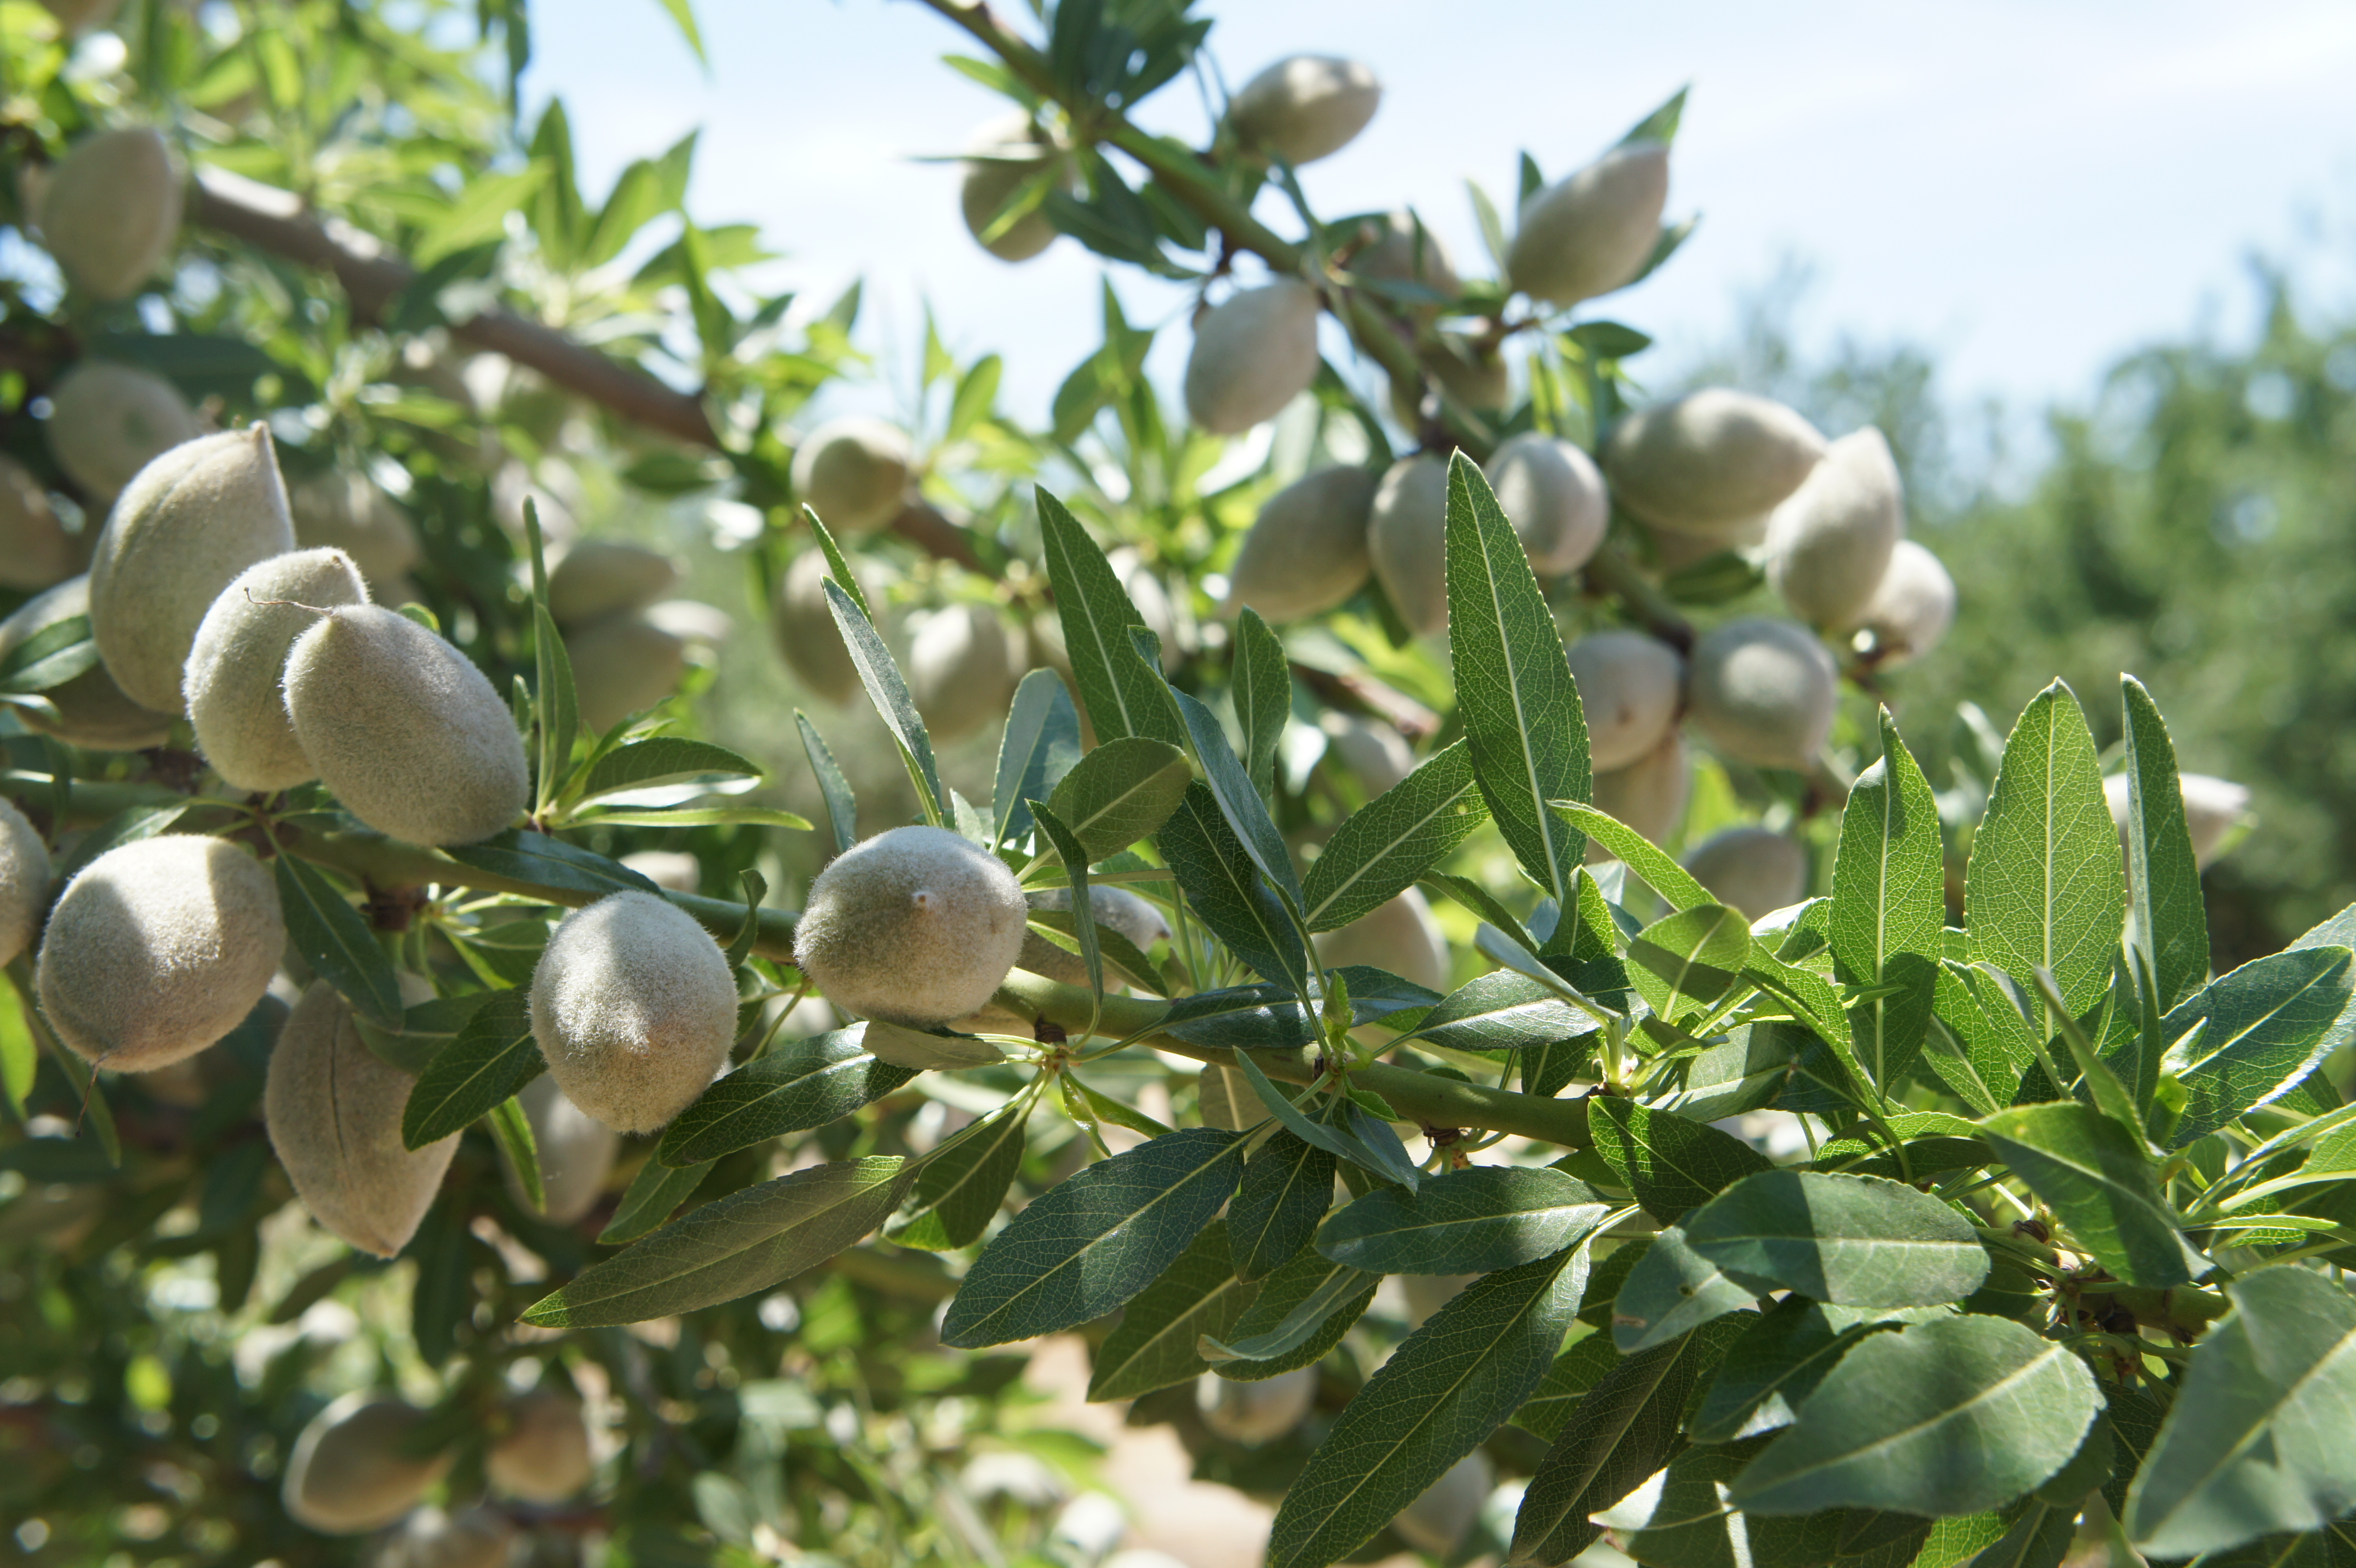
(2028, 188)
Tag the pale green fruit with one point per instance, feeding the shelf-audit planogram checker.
(1750, 869)
(1474, 378)
(1553, 495)
(803, 624)
(1829, 544)
(34, 550)
(231, 681)
(1649, 794)
(158, 948)
(605, 576)
(1370, 748)
(1763, 692)
(1399, 936)
(92, 711)
(1911, 608)
(543, 1457)
(576, 1151)
(961, 670)
(1711, 463)
(333, 1109)
(1305, 107)
(852, 471)
(2213, 808)
(193, 519)
(24, 881)
(623, 664)
(349, 1473)
(109, 421)
(1404, 251)
(668, 869)
(1256, 1413)
(1306, 552)
(914, 926)
(634, 1008)
(1438, 1519)
(1253, 352)
(429, 1537)
(1676, 550)
(349, 512)
(1592, 233)
(1114, 908)
(1630, 687)
(111, 213)
(1407, 538)
(1006, 151)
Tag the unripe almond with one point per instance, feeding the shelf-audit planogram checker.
(111, 213)
(1750, 869)
(349, 1472)
(231, 681)
(1407, 538)
(34, 550)
(1553, 495)
(158, 948)
(602, 577)
(1630, 687)
(1256, 1413)
(576, 1150)
(1398, 936)
(404, 729)
(2213, 808)
(1439, 1519)
(1649, 794)
(351, 513)
(1004, 153)
(190, 522)
(634, 1008)
(1370, 748)
(1253, 352)
(1306, 552)
(429, 1537)
(543, 1457)
(675, 870)
(806, 633)
(24, 881)
(1765, 692)
(914, 925)
(1911, 608)
(1404, 251)
(1829, 544)
(109, 421)
(1711, 462)
(853, 472)
(961, 670)
(1305, 107)
(333, 1109)
(1592, 233)
(92, 711)
(1473, 376)
(623, 664)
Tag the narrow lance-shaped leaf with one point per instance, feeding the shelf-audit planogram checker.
(1120, 792)
(889, 692)
(653, 1196)
(1671, 1164)
(1227, 892)
(1851, 1240)
(802, 1084)
(963, 1186)
(1301, 1312)
(2264, 1028)
(1154, 1347)
(1684, 964)
(1287, 1187)
(1039, 747)
(2169, 921)
(2093, 1174)
(1472, 1221)
(1122, 694)
(1068, 850)
(1262, 692)
(1655, 866)
(1246, 812)
(1673, 1290)
(1396, 840)
(833, 789)
(1774, 1368)
(493, 1056)
(1889, 907)
(334, 938)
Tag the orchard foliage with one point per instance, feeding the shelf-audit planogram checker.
(1889, 1181)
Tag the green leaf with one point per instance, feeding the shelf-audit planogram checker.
(1651, 864)
(1500, 1011)
(1039, 748)
(528, 857)
(2044, 885)
(1620, 1434)
(334, 940)
(1672, 1165)
(51, 657)
(682, 16)
(961, 1188)
(2093, 1174)
(733, 1246)
(1074, 860)
(1121, 791)
(1440, 1395)
(1262, 692)
(1948, 1417)
(1288, 1185)
(1246, 812)
(2040, 1538)
(1673, 1290)
(2258, 1439)
(1575, 1372)
(2170, 922)
(1684, 963)
(426, 1030)
(1889, 907)
(512, 1128)
(1227, 892)
(801, 1084)
(924, 1050)
(889, 692)
(1122, 694)
(1154, 1346)
(2339, 931)
(1514, 686)
(1092, 1241)
(1395, 841)
(1777, 1363)
(2264, 1027)
(554, 699)
(493, 1056)
(654, 1193)
(1473, 1221)
(1301, 1312)
(663, 759)
(1850, 1240)
(833, 789)
(1333, 1140)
